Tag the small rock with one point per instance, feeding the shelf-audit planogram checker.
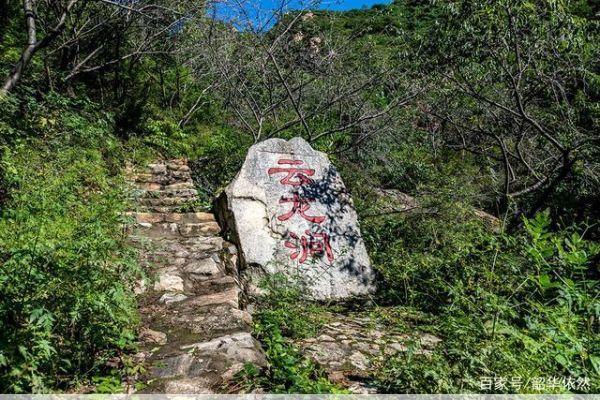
(169, 283)
(188, 386)
(359, 361)
(169, 298)
(428, 340)
(158, 169)
(141, 356)
(149, 336)
(336, 376)
(325, 338)
(140, 287)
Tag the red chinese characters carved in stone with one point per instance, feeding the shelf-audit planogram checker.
(311, 244)
(301, 205)
(295, 176)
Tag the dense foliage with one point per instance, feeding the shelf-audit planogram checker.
(466, 106)
(66, 272)
(516, 307)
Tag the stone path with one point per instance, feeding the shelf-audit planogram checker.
(351, 346)
(194, 335)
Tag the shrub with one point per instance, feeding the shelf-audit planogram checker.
(65, 268)
(508, 307)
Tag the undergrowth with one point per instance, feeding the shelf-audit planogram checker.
(282, 316)
(66, 271)
(517, 313)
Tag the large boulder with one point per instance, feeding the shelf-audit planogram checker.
(289, 212)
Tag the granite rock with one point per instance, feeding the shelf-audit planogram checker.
(290, 213)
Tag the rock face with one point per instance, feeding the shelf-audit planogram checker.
(194, 335)
(289, 212)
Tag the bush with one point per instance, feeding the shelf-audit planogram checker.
(517, 307)
(66, 271)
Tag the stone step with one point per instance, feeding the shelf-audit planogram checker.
(182, 208)
(170, 230)
(192, 247)
(195, 337)
(191, 277)
(163, 178)
(218, 291)
(229, 296)
(197, 359)
(200, 318)
(205, 324)
(173, 165)
(211, 286)
(157, 191)
(185, 218)
(165, 201)
(174, 288)
(196, 385)
(166, 251)
(198, 271)
(192, 263)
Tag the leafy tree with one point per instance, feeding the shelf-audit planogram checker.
(519, 86)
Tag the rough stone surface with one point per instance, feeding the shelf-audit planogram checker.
(149, 336)
(195, 335)
(349, 347)
(289, 212)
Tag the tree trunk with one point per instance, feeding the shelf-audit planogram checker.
(28, 52)
(33, 44)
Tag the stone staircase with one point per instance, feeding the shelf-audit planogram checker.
(194, 335)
